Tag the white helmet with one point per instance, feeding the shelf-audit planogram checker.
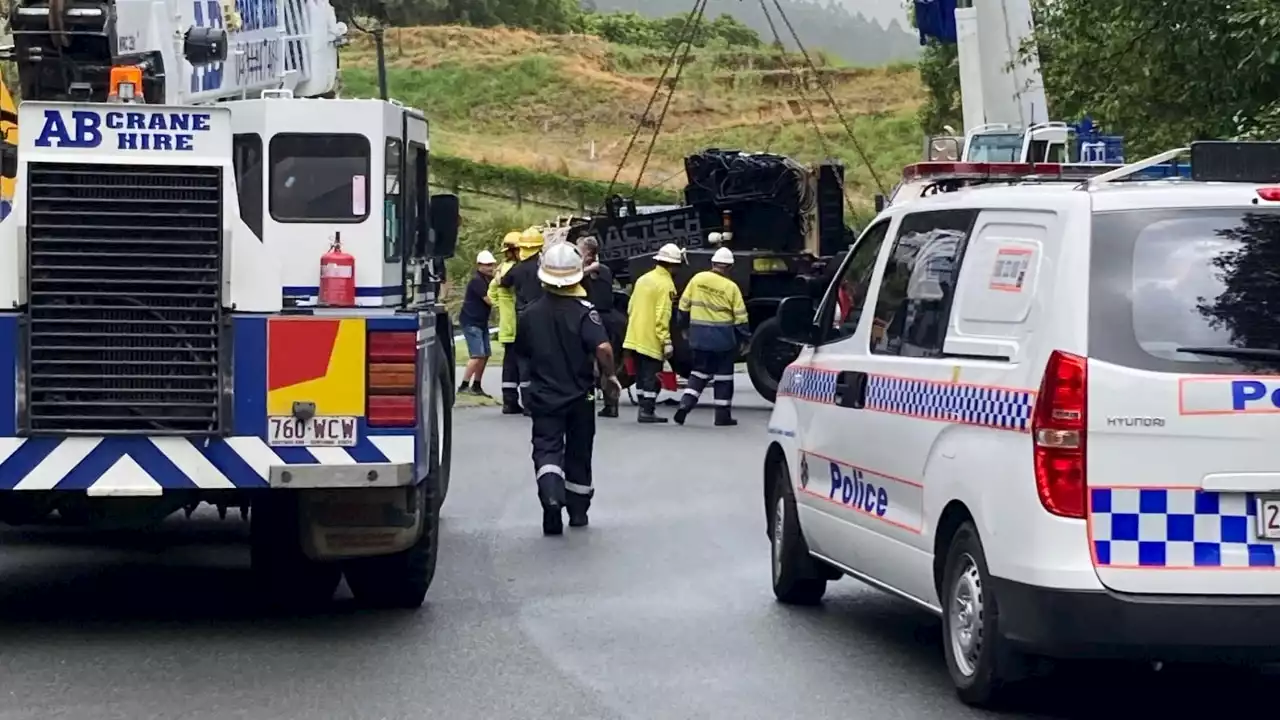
(723, 256)
(670, 253)
(485, 258)
(561, 265)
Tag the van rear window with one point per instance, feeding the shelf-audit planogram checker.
(1185, 290)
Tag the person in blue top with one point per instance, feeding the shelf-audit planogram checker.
(474, 319)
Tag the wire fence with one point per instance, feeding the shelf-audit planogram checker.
(515, 196)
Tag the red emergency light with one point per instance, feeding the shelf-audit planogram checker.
(1002, 171)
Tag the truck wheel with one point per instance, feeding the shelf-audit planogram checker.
(797, 578)
(442, 420)
(767, 357)
(282, 571)
(979, 659)
(401, 580)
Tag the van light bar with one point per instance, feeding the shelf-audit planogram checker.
(1015, 171)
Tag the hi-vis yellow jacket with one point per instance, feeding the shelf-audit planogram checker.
(504, 299)
(717, 314)
(649, 313)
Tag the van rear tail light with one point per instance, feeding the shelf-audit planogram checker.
(392, 359)
(1270, 194)
(1058, 431)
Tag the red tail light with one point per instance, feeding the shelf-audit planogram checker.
(1270, 194)
(392, 357)
(1058, 430)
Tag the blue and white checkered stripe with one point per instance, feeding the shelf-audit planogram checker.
(811, 384)
(140, 465)
(1176, 528)
(1004, 408)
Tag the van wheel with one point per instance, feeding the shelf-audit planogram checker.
(797, 578)
(979, 659)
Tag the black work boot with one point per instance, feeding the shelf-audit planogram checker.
(681, 414)
(577, 514)
(608, 411)
(647, 417)
(551, 495)
(512, 409)
(724, 420)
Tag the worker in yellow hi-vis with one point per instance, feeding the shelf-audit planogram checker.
(504, 299)
(713, 310)
(649, 328)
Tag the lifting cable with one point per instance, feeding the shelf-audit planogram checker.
(804, 98)
(857, 146)
(700, 7)
(684, 40)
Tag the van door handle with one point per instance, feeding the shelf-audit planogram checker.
(851, 389)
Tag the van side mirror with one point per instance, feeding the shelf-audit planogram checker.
(444, 225)
(880, 203)
(795, 320)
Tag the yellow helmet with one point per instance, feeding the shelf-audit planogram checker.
(531, 238)
(512, 239)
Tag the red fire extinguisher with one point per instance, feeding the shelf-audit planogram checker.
(337, 276)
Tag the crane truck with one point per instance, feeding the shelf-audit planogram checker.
(1007, 134)
(207, 295)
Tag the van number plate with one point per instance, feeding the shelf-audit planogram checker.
(1269, 518)
(328, 431)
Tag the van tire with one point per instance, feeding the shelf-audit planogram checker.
(982, 677)
(797, 577)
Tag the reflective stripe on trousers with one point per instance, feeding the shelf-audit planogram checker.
(716, 367)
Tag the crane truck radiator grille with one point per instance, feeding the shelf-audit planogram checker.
(124, 269)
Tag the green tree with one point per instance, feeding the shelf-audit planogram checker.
(1163, 73)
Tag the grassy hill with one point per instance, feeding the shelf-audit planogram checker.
(567, 104)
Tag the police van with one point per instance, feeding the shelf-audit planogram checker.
(1050, 414)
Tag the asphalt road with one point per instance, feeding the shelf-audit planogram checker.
(661, 609)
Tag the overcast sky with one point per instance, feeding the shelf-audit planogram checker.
(882, 11)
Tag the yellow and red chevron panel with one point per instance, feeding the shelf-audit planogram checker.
(319, 360)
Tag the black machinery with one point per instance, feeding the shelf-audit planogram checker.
(783, 221)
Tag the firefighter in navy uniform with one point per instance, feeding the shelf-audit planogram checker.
(713, 311)
(522, 280)
(562, 340)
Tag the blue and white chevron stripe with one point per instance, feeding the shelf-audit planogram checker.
(149, 466)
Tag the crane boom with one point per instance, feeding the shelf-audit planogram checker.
(1005, 110)
(65, 49)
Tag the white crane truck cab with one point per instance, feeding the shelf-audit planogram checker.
(1057, 400)
(162, 322)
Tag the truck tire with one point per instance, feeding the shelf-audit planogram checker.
(442, 416)
(287, 577)
(401, 580)
(767, 357)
